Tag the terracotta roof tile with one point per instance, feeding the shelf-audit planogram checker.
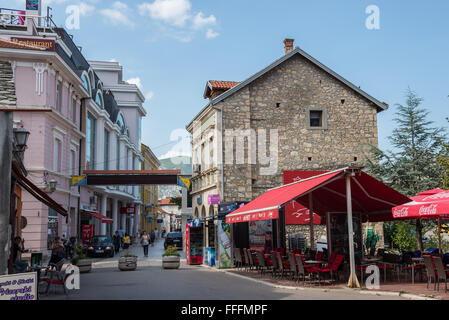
(14, 45)
(221, 85)
(166, 202)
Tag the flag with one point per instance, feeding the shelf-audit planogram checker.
(79, 181)
(184, 182)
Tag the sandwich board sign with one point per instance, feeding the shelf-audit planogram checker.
(20, 286)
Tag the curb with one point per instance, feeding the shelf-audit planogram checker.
(378, 293)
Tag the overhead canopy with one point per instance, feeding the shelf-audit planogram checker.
(370, 197)
(103, 218)
(426, 205)
(38, 193)
(131, 177)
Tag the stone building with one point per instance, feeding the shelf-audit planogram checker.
(295, 114)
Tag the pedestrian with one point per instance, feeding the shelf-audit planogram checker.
(19, 266)
(57, 251)
(116, 240)
(163, 233)
(156, 232)
(152, 237)
(145, 241)
(126, 243)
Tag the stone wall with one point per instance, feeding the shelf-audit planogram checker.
(280, 100)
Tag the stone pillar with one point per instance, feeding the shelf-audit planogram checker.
(130, 167)
(114, 215)
(123, 224)
(112, 151)
(104, 204)
(137, 223)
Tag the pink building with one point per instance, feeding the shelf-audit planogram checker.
(89, 125)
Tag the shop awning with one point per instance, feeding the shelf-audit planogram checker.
(103, 218)
(370, 197)
(37, 193)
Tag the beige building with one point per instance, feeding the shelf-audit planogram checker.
(295, 114)
(149, 193)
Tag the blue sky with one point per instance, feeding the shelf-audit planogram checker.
(172, 47)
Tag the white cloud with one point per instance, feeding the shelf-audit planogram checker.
(86, 9)
(210, 34)
(138, 82)
(199, 21)
(149, 95)
(182, 147)
(175, 12)
(118, 14)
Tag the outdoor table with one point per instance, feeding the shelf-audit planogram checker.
(415, 261)
(313, 261)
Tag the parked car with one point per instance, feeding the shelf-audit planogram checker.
(100, 246)
(173, 239)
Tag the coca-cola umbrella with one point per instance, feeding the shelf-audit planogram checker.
(431, 204)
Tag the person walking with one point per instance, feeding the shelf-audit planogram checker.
(126, 243)
(57, 251)
(116, 241)
(145, 241)
(152, 237)
(156, 233)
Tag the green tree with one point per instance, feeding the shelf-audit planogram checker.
(443, 161)
(176, 200)
(413, 165)
(402, 239)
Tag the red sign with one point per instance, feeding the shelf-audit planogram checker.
(128, 210)
(295, 213)
(48, 45)
(87, 233)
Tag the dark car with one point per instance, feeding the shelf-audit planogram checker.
(100, 246)
(173, 239)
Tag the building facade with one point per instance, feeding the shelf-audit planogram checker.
(295, 114)
(149, 194)
(88, 119)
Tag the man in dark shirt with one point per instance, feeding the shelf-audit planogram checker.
(19, 265)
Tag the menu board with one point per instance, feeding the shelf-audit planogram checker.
(258, 232)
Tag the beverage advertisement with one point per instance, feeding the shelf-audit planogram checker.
(224, 243)
(258, 231)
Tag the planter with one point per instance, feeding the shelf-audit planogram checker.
(171, 262)
(127, 263)
(85, 265)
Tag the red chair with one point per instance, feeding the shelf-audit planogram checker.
(319, 256)
(332, 268)
(284, 266)
(309, 270)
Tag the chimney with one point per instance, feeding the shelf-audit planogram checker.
(288, 45)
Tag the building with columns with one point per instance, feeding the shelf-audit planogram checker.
(86, 117)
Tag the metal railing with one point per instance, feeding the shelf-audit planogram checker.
(14, 17)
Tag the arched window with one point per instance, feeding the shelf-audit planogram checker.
(99, 99)
(85, 82)
(121, 124)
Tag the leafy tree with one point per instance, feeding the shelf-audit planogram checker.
(176, 200)
(413, 165)
(402, 239)
(443, 161)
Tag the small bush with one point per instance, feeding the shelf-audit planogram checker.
(171, 251)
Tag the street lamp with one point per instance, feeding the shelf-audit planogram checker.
(21, 137)
(52, 185)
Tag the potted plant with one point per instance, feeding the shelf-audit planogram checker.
(80, 260)
(127, 262)
(171, 258)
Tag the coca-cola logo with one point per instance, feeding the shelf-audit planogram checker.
(438, 196)
(398, 213)
(427, 210)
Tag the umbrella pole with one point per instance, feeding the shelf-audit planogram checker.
(312, 236)
(439, 235)
(353, 282)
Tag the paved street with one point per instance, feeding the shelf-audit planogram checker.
(150, 281)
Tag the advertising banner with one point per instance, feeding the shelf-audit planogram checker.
(260, 234)
(21, 286)
(213, 199)
(87, 232)
(224, 244)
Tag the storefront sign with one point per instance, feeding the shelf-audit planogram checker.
(263, 215)
(128, 210)
(20, 286)
(150, 219)
(213, 199)
(160, 221)
(87, 232)
(48, 45)
(32, 4)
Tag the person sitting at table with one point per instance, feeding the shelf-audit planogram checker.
(19, 266)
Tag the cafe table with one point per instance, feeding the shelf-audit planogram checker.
(415, 261)
(313, 261)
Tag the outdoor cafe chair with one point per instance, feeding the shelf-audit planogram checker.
(410, 265)
(275, 269)
(332, 268)
(430, 270)
(238, 260)
(251, 259)
(56, 276)
(309, 270)
(247, 261)
(441, 272)
(300, 271)
(262, 263)
(319, 256)
(284, 266)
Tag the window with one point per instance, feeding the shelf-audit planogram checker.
(106, 149)
(58, 95)
(90, 142)
(57, 155)
(118, 153)
(98, 100)
(72, 163)
(316, 118)
(74, 109)
(85, 82)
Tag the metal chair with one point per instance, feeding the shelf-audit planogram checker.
(430, 271)
(441, 273)
(247, 262)
(275, 269)
(238, 262)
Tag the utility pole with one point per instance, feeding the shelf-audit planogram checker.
(6, 134)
